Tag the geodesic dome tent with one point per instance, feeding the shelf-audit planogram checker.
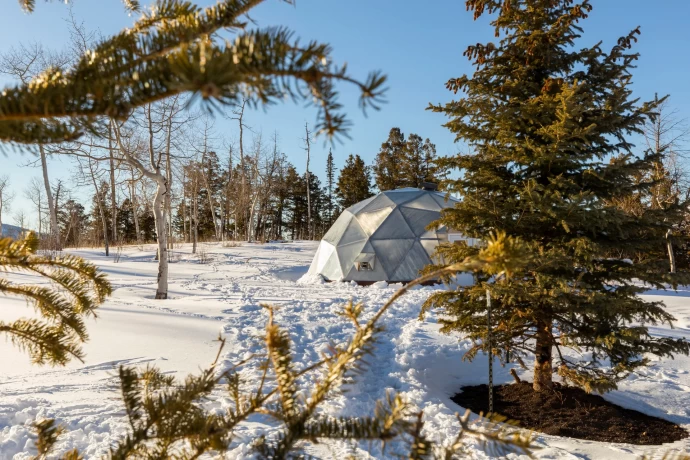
(383, 238)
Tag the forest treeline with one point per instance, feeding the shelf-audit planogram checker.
(219, 190)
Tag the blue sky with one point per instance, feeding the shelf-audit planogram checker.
(419, 45)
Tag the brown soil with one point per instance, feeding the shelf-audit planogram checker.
(569, 411)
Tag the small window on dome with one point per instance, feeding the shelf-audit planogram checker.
(364, 266)
(365, 262)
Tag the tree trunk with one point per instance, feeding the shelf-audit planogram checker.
(168, 175)
(104, 221)
(309, 229)
(113, 193)
(195, 223)
(161, 236)
(58, 236)
(51, 205)
(669, 248)
(543, 374)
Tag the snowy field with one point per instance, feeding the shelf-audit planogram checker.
(224, 296)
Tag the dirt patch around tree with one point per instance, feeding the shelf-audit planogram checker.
(571, 412)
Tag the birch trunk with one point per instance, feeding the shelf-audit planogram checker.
(669, 248)
(104, 221)
(113, 193)
(168, 175)
(309, 231)
(161, 236)
(54, 236)
(195, 224)
(135, 211)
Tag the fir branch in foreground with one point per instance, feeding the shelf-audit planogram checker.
(175, 49)
(75, 289)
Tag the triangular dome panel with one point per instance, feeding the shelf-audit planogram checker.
(394, 227)
(355, 208)
(380, 201)
(441, 200)
(430, 248)
(424, 202)
(403, 195)
(348, 253)
(354, 232)
(323, 253)
(332, 270)
(338, 228)
(412, 263)
(389, 253)
(371, 221)
(419, 219)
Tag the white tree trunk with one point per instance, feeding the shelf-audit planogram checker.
(135, 210)
(54, 236)
(307, 140)
(669, 248)
(113, 194)
(161, 236)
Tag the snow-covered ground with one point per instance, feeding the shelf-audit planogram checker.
(225, 296)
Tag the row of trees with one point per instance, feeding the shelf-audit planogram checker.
(213, 196)
(236, 193)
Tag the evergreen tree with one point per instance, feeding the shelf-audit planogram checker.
(405, 162)
(354, 182)
(419, 164)
(73, 223)
(100, 214)
(125, 222)
(388, 168)
(331, 207)
(548, 123)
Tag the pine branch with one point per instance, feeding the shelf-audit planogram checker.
(174, 50)
(75, 290)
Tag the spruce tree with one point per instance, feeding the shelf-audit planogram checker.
(388, 167)
(404, 162)
(549, 124)
(354, 182)
(331, 208)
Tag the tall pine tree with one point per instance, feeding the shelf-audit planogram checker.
(404, 162)
(331, 207)
(549, 125)
(354, 182)
(388, 168)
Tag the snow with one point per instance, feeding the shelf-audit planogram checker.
(226, 296)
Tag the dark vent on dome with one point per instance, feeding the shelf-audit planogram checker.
(430, 186)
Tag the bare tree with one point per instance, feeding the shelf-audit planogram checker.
(665, 136)
(24, 63)
(20, 220)
(307, 141)
(153, 171)
(6, 197)
(242, 201)
(35, 193)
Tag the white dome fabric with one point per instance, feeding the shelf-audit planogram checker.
(383, 238)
